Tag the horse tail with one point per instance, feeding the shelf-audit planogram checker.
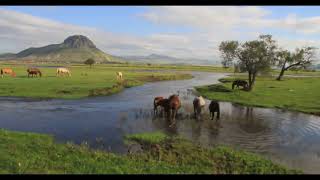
(233, 85)
(40, 74)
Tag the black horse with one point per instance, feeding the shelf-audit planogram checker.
(214, 107)
(238, 83)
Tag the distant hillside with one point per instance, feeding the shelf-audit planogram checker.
(75, 48)
(162, 59)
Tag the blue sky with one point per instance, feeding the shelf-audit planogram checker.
(111, 18)
(141, 30)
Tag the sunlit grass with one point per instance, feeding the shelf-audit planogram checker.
(84, 81)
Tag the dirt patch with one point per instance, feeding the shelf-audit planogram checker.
(64, 92)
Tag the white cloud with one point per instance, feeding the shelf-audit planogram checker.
(210, 25)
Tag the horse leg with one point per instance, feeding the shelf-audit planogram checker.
(174, 112)
(154, 109)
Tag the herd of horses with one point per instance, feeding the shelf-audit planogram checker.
(35, 72)
(172, 104)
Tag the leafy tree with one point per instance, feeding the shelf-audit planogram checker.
(89, 61)
(300, 59)
(255, 56)
(227, 49)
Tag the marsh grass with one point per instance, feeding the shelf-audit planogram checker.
(22, 153)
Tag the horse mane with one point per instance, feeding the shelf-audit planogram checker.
(173, 95)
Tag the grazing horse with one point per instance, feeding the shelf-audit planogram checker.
(198, 104)
(61, 71)
(238, 83)
(214, 107)
(7, 71)
(156, 103)
(174, 106)
(119, 75)
(34, 71)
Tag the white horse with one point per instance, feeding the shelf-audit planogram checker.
(63, 71)
(202, 102)
(198, 104)
(119, 76)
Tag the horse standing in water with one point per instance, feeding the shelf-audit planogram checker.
(62, 71)
(33, 71)
(156, 103)
(198, 104)
(173, 106)
(214, 107)
(7, 71)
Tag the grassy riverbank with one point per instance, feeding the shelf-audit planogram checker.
(297, 94)
(84, 82)
(37, 153)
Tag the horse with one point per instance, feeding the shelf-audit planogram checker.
(119, 75)
(214, 107)
(198, 104)
(63, 71)
(7, 71)
(164, 103)
(173, 107)
(156, 103)
(238, 83)
(34, 71)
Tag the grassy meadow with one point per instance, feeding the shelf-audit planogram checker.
(292, 93)
(84, 81)
(27, 153)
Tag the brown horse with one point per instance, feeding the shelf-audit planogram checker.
(7, 71)
(164, 103)
(34, 71)
(173, 106)
(156, 103)
(214, 107)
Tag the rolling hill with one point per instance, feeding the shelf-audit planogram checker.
(163, 59)
(77, 48)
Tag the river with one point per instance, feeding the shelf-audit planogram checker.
(289, 138)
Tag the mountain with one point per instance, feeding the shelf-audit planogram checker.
(77, 48)
(163, 59)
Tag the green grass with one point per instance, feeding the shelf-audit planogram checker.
(298, 94)
(147, 138)
(37, 153)
(84, 82)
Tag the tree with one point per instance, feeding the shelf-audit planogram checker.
(300, 59)
(90, 62)
(227, 49)
(255, 56)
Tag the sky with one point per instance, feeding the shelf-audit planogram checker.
(178, 31)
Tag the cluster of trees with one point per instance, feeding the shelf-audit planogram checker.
(260, 55)
(89, 62)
